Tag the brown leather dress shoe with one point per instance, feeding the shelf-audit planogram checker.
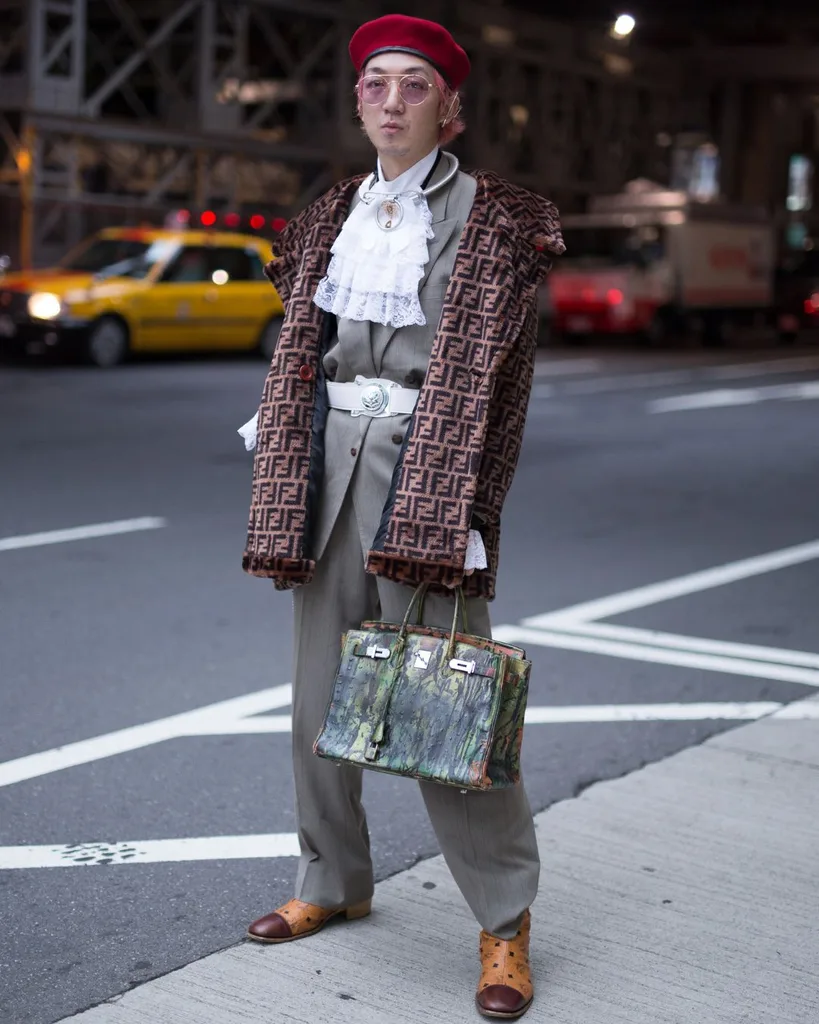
(297, 919)
(505, 989)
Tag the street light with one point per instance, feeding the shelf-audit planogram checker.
(623, 26)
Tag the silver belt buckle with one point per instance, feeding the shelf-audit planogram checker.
(374, 397)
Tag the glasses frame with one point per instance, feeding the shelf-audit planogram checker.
(401, 78)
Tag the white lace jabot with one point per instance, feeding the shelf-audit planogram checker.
(378, 260)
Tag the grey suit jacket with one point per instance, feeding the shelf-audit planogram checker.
(361, 452)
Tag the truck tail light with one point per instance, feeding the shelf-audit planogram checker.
(614, 297)
(812, 304)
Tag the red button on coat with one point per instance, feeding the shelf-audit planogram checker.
(306, 372)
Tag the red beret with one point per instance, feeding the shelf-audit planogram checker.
(427, 39)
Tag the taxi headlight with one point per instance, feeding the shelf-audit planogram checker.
(45, 306)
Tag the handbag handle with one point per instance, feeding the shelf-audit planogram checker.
(419, 597)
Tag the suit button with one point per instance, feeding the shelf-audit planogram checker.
(397, 438)
(354, 451)
(413, 379)
(306, 372)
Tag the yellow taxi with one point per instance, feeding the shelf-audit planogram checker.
(146, 290)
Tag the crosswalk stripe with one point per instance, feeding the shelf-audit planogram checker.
(137, 736)
(150, 851)
(74, 533)
(657, 655)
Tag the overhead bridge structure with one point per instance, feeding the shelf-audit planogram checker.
(118, 111)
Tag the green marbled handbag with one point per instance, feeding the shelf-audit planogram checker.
(429, 703)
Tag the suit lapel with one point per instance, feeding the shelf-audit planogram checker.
(382, 335)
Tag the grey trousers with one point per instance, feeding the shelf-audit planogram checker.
(487, 839)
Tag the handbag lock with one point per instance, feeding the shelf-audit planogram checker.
(377, 652)
(463, 666)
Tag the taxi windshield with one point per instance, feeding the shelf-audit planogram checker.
(139, 267)
(101, 252)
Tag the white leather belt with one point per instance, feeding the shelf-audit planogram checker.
(371, 396)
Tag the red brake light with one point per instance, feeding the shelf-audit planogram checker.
(278, 224)
(257, 221)
(614, 297)
(183, 216)
(208, 218)
(232, 220)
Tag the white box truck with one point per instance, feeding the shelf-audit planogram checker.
(656, 263)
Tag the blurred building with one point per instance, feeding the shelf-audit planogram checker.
(118, 111)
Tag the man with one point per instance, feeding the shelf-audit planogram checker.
(388, 434)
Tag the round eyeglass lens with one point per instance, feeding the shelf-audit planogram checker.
(413, 89)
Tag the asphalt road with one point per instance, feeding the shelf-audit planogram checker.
(614, 493)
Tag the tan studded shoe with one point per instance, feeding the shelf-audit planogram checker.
(297, 919)
(505, 989)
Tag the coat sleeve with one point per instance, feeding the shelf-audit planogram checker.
(504, 430)
(535, 242)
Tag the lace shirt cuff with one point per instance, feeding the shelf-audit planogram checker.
(248, 431)
(475, 552)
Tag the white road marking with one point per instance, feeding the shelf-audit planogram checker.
(658, 655)
(35, 540)
(630, 381)
(806, 391)
(650, 712)
(246, 726)
(704, 645)
(554, 715)
(681, 586)
(716, 399)
(802, 710)
(721, 397)
(188, 723)
(150, 851)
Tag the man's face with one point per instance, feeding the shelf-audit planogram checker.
(398, 129)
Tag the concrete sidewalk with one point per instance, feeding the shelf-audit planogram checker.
(684, 893)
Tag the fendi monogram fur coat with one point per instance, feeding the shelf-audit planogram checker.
(462, 447)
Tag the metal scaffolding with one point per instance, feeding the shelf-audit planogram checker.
(120, 110)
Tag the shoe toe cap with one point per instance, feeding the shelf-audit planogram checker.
(272, 926)
(501, 999)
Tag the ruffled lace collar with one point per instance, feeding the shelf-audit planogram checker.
(379, 256)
